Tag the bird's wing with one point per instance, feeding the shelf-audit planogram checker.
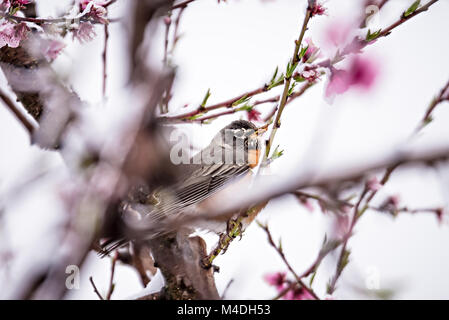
(202, 183)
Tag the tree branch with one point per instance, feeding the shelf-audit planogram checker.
(282, 255)
(19, 115)
(294, 60)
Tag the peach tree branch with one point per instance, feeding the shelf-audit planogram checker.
(370, 194)
(281, 253)
(294, 62)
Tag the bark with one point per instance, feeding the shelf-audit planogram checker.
(179, 258)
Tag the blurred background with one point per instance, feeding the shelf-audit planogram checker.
(234, 47)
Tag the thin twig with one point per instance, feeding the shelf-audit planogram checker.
(300, 92)
(39, 21)
(362, 43)
(105, 59)
(15, 110)
(282, 255)
(181, 4)
(326, 63)
(442, 96)
(295, 59)
(111, 279)
(176, 30)
(225, 291)
(95, 288)
(234, 110)
(357, 213)
(372, 193)
(291, 286)
(167, 22)
(109, 3)
(387, 31)
(225, 104)
(328, 203)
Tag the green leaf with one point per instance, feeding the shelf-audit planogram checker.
(312, 278)
(328, 287)
(291, 67)
(274, 76)
(314, 56)
(292, 87)
(274, 82)
(328, 246)
(277, 154)
(344, 260)
(384, 294)
(206, 97)
(243, 99)
(299, 78)
(427, 121)
(372, 36)
(260, 224)
(13, 10)
(411, 9)
(199, 115)
(303, 51)
(339, 56)
(277, 82)
(245, 107)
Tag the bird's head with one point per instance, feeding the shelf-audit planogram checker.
(240, 142)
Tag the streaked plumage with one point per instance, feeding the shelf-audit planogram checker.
(197, 183)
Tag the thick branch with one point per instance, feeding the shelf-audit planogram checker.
(179, 259)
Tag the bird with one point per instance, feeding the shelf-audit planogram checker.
(228, 159)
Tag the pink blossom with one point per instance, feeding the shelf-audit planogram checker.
(362, 73)
(341, 226)
(373, 184)
(306, 203)
(84, 33)
(4, 5)
(394, 200)
(391, 205)
(341, 35)
(52, 49)
(317, 10)
(276, 279)
(312, 51)
(311, 75)
(167, 20)
(84, 3)
(339, 83)
(254, 115)
(338, 33)
(22, 2)
(97, 10)
(11, 34)
(298, 294)
(345, 209)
